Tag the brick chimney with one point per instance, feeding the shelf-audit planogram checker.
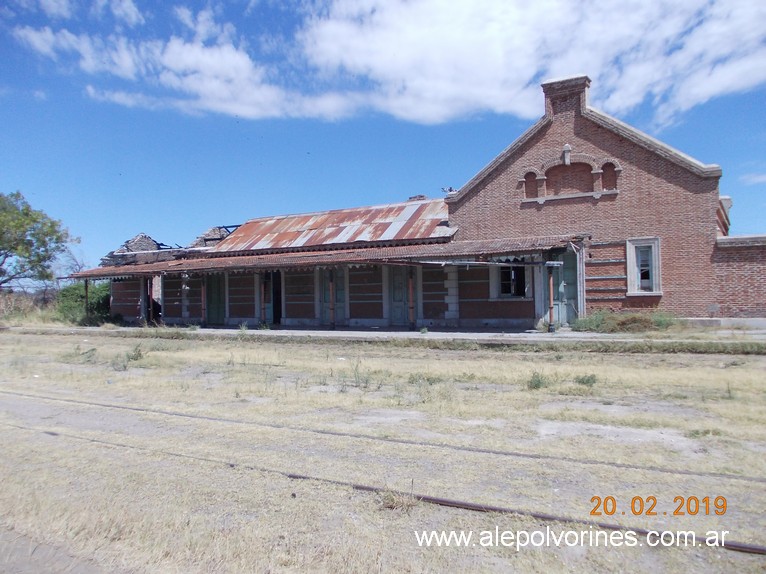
(569, 95)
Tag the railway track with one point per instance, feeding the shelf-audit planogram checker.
(731, 545)
(361, 436)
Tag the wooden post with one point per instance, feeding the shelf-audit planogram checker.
(411, 298)
(262, 279)
(332, 298)
(203, 319)
(87, 309)
(150, 299)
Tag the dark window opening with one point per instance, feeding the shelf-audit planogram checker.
(608, 176)
(513, 281)
(644, 263)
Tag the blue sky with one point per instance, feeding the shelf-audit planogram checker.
(125, 116)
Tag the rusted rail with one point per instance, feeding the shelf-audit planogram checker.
(359, 436)
(438, 501)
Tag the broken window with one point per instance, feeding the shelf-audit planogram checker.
(513, 281)
(643, 261)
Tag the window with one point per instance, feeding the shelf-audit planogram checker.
(512, 282)
(643, 260)
(530, 185)
(608, 176)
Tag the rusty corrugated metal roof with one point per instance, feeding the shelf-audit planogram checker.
(412, 221)
(433, 252)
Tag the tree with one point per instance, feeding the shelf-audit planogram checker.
(30, 241)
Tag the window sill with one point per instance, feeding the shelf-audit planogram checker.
(594, 195)
(644, 294)
(510, 298)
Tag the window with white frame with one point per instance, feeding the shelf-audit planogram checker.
(509, 281)
(643, 260)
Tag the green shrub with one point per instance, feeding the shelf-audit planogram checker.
(587, 380)
(70, 304)
(632, 324)
(663, 321)
(537, 381)
(593, 322)
(136, 354)
(611, 322)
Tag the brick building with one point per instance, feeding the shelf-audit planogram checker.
(582, 212)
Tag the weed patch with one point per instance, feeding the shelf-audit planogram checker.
(586, 380)
(537, 381)
(610, 322)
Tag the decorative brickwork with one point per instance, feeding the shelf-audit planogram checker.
(662, 193)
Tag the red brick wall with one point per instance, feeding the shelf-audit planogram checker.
(574, 178)
(657, 198)
(126, 299)
(741, 276)
(365, 292)
(473, 291)
(242, 295)
(299, 294)
(434, 293)
(194, 298)
(172, 297)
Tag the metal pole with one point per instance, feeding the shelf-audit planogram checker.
(551, 325)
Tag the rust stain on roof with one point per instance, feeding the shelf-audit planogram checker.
(404, 254)
(412, 221)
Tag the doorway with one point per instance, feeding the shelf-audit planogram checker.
(272, 297)
(216, 300)
(335, 313)
(399, 295)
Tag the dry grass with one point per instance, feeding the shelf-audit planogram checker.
(145, 510)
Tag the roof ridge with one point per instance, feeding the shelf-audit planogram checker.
(342, 209)
(653, 144)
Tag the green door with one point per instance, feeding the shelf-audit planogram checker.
(565, 290)
(399, 296)
(216, 299)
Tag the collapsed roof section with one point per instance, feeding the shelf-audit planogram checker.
(212, 237)
(140, 249)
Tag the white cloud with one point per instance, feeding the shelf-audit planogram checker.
(205, 73)
(433, 60)
(127, 99)
(753, 178)
(204, 25)
(113, 55)
(428, 61)
(56, 8)
(42, 41)
(123, 11)
(126, 11)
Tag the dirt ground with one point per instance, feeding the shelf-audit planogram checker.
(178, 455)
